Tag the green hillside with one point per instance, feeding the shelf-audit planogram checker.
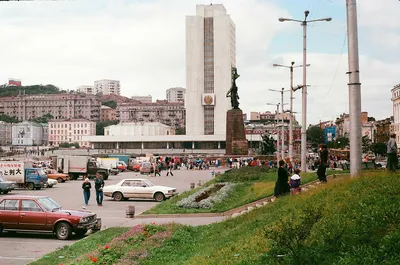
(347, 221)
(29, 90)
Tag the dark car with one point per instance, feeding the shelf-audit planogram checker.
(40, 214)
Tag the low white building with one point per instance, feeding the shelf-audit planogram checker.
(70, 131)
(139, 129)
(28, 133)
(85, 89)
(143, 99)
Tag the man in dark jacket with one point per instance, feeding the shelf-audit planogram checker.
(392, 159)
(98, 186)
(321, 172)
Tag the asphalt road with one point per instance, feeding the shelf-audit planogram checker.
(18, 249)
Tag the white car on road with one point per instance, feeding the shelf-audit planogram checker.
(139, 189)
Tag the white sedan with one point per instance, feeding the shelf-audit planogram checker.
(138, 188)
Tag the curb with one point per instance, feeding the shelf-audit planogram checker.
(255, 204)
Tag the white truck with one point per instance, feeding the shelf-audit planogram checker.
(23, 174)
(110, 163)
(76, 166)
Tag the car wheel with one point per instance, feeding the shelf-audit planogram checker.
(159, 197)
(59, 180)
(30, 186)
(104, 176)
(1, 230)
(5, 192)
(80, 232)
(118, 196)
(63, 231)
(50, 186)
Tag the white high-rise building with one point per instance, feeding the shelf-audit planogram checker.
(210, 54)
(176, 94)
(107, 87)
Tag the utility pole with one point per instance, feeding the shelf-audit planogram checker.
(304, 88)
(354, 89)
(277, 140)
(291, 105)
(282, 129)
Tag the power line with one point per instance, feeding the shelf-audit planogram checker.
(337, 66)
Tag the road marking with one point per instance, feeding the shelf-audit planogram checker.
(18, 258)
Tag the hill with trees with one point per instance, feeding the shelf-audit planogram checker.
(7, 91)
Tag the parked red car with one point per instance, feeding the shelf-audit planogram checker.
(41, 214)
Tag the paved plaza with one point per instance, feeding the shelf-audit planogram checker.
(18, 249)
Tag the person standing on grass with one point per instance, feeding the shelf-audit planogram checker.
(321, 171)
(392, 160)
(86, 186)
(98, 186)
(282, 185)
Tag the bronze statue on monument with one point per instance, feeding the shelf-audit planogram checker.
(233, 92)
(236, 143)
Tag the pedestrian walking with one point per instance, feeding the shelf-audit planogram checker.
(156, 170)
(169, 170)
(321, 171)
(98, 186)
(86, 186)
(392, 159)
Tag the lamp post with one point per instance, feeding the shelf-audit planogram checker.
(277, 140)
(282, 130)
(291, 104)
(304, 90)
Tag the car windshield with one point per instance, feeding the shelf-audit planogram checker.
(148, 183)
(49, 204)
(2, 178)
(41, 172)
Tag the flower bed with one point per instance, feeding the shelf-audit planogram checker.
(207, 197)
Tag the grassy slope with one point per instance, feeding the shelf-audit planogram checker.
(252, 184)
(347, 221)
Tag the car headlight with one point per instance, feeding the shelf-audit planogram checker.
(84, 219)
(171, 191)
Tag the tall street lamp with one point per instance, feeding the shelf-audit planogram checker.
(304, 90)
(282, 129)
(277, 140)
(291, 105)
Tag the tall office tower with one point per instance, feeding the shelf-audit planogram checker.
(210, 54)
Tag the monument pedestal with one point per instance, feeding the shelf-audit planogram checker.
(236, 143)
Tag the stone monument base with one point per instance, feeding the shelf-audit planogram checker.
(236, 143)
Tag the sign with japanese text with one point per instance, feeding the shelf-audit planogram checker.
(12, 171)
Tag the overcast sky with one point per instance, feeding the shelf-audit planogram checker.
(142, 44)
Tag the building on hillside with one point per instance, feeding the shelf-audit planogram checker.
(143, 99)
(5, 133)
(395, 128)
(60, 106)
(70, 131)
(139, 129)
(45, 137)
(171, 114)
(210, 54)
(85, 89)
(383, 130)
(343, 126)
(28, 133)
(107, 87)
(107, 113)
(176, 94)
(14, 82)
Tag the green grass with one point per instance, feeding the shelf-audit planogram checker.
(66, 254)
(253, 183)
(347, 221)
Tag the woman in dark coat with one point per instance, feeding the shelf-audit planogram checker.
(282, 186)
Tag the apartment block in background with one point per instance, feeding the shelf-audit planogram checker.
(85, 89)
(176, 94)
(107, 87)
(70, 131)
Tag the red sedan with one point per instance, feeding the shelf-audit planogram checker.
(40, 214)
